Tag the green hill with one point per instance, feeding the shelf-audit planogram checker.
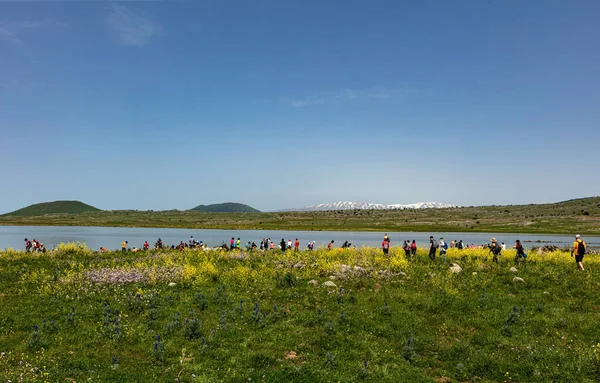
(227, 207)
(56, 207)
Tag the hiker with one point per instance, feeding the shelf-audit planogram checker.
(289, 244)
(237, 243)
(158, 244)
(282, 245)
(271, 245)
(27, 245)
(135, 249)
(579, 248)
(495, 250)
(231, 243)
(146, 245)
(330, 246)
(433, 245)
(124, 246)
(413, 248)
(385, 245)
(311, 245)
(248, 245)
(443, 249)
(296, 245)
(406, 248)
(36, 245)
(452, 244)
(103, 250)
(503, 246)
(520, 251)
(345, 245)
(460, 245)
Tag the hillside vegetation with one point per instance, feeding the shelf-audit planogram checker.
(227, 207)
(582, 216)
(321, 316)
(56, 207)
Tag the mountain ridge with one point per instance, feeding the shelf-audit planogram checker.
(346, 205)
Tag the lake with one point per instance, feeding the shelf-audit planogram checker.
(111, 237)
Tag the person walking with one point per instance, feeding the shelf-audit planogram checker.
(282, 245)
(413, 248)
(124, 246)
(27, 245)
(443, 249)
(520, 251)
(296, 245)
(330, 246)
(433, 245)
(385, 245)
(231, 243)
(495, 250)
(579, 249)
(406, 248)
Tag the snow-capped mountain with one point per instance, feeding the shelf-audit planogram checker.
(342, 205)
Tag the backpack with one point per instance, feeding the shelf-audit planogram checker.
(445, 245)
(460, 245)
(413, 246)
(580, 248)
(434, 244)
(496, 250)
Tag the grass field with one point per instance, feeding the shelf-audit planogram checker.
(75, 316)
(582, 216)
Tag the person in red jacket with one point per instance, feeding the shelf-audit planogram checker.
(296, 245)
(385, 245)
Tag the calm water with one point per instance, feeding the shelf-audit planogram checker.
(111, 237)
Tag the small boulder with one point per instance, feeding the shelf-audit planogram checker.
(546, 293)
(314, 282)
(474, 273)
(517, 279)
(329, 284)
(455, 268)
(171, 284)
(483, 266)
(513, 269)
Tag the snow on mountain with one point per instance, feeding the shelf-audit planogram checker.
(343, 205)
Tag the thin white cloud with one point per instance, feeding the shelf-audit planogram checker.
(12, 30)
(348, 95)
(131, 26)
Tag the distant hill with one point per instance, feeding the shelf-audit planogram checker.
(227, 207)
(56, 207)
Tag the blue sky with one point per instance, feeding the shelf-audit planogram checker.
(280, 104)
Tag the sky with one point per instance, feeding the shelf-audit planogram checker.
(283, 104)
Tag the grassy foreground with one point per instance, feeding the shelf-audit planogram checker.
(74, 316)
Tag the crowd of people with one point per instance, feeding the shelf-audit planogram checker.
(34, 245)
(578, 250)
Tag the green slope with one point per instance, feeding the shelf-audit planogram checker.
(227, 207)
(56, 207)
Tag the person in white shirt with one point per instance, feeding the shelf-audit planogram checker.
(503, 246)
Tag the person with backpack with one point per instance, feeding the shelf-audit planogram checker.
(495, 250)
(406, 248)
(27, 245)
(443, 249)
(520, 251)
(283, 245)
(579, 249)
(460, 245)
(296, 245)
(413, 248)
(385, 245)
(433, 245)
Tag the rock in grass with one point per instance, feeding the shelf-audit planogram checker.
(455, 268)
(314, 282)
(329, 284)
(474, 273)
(171, 284)
(483, 266)
(513, 269)
(517, 279)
